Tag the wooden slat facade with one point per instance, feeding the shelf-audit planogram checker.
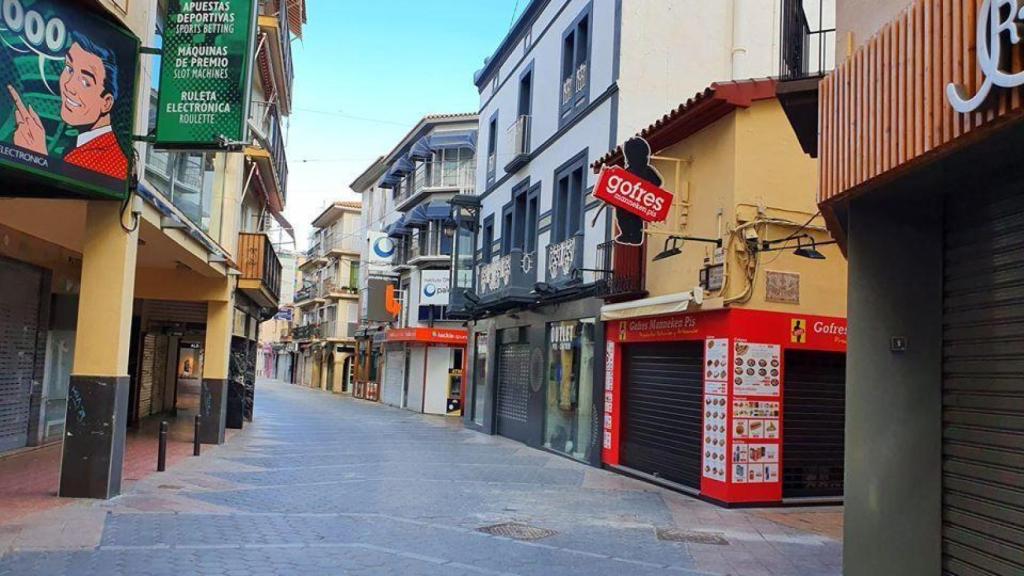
(885, 107)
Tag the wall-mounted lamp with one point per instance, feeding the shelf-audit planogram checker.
(806, 246)
(674, 245)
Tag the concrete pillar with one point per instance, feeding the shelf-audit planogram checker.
(214, 400)
(97, 408)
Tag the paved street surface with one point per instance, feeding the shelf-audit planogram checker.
(321, 484)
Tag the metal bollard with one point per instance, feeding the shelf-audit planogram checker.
(161, 454)
(195, 441)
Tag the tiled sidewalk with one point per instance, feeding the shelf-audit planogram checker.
(29, 479)
(321, 484)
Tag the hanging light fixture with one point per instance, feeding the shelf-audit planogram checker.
(811, 252)
(674, 245)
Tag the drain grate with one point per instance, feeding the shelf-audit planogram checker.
(517, 531)
(170, 487)
(692, 536)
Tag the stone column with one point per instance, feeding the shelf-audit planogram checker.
(97, 408)
(213, 400)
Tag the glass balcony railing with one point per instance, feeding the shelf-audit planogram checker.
(270, 135)
(519, 143)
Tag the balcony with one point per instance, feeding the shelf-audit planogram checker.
(307, 332)
(275, 60)
(436, 177)
(338, 331)
(575, 85)
(335, 289)
(623, 272)
(564, 260)
(519, 143)
(260, 268)
(807, 54)
(268, 152)
(307, 295)
(507, 281)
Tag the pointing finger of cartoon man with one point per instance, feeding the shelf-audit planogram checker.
(18, 104)
(34, 117)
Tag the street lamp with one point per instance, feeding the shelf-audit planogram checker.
(676, 243)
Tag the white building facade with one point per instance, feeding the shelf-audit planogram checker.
(413, 358)
(571, 81)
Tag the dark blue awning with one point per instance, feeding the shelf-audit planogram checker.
(398, 169)
(398, 228)
(390, 180)
(423, 214)
(453, 139)
(421, 150)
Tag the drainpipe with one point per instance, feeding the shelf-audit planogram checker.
(739, 37)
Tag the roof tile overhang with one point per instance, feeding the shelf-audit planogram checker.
(704, 109)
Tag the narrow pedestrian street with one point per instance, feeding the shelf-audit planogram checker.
(322, 484)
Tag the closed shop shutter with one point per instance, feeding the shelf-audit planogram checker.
(394, 378)
(662, 406)
(169, 312)
(148, 375)
(19, 326)
(983, 392)
(513, 390)
(815, 404)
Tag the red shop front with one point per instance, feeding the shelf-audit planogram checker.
(737, 406)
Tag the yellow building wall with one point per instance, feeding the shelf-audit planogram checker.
(702, 184)
(748, 167)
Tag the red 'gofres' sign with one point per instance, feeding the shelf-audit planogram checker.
(632, 194)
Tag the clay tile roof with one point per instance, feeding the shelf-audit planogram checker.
(702, 110)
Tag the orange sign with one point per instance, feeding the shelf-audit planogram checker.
(429, 336)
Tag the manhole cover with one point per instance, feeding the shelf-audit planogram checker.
(691, 536)
(517, 531)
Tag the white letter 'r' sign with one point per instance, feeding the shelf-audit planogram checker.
(991, 25)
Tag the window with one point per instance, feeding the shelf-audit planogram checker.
(575, 85)
(507, 232)
(532, 214)
(570, 189)
(353, 275)
(492, 148)
(570, 387)
(488, 239)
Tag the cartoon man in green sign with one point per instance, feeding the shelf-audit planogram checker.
(88, 92)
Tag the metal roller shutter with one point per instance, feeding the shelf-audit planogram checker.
(394, 378)
(513, 390)
(983, 392)
(19, 326)
(662, 407)
(815, 405)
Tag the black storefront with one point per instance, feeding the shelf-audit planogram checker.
(535, 371)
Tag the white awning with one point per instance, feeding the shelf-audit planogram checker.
(678, 303)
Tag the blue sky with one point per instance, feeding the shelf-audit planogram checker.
(366, 72)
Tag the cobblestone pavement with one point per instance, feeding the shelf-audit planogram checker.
(321, 484)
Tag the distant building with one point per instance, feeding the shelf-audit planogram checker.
(414, 359)
(326, 303)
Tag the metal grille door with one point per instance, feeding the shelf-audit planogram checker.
(983, 391)
(513, 390)
(663, 399)
(815, 406)
(19, 325)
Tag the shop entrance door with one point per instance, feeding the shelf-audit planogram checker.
(982, 388)
(394, 378)
(663, 396)
(513, 393)
(20, 286)
(814, 404)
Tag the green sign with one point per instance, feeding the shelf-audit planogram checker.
(67, 101)
(204, 73)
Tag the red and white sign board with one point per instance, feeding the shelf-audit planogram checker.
(628, 192)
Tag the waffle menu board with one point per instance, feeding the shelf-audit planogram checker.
(757, 369)
(716, 408)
